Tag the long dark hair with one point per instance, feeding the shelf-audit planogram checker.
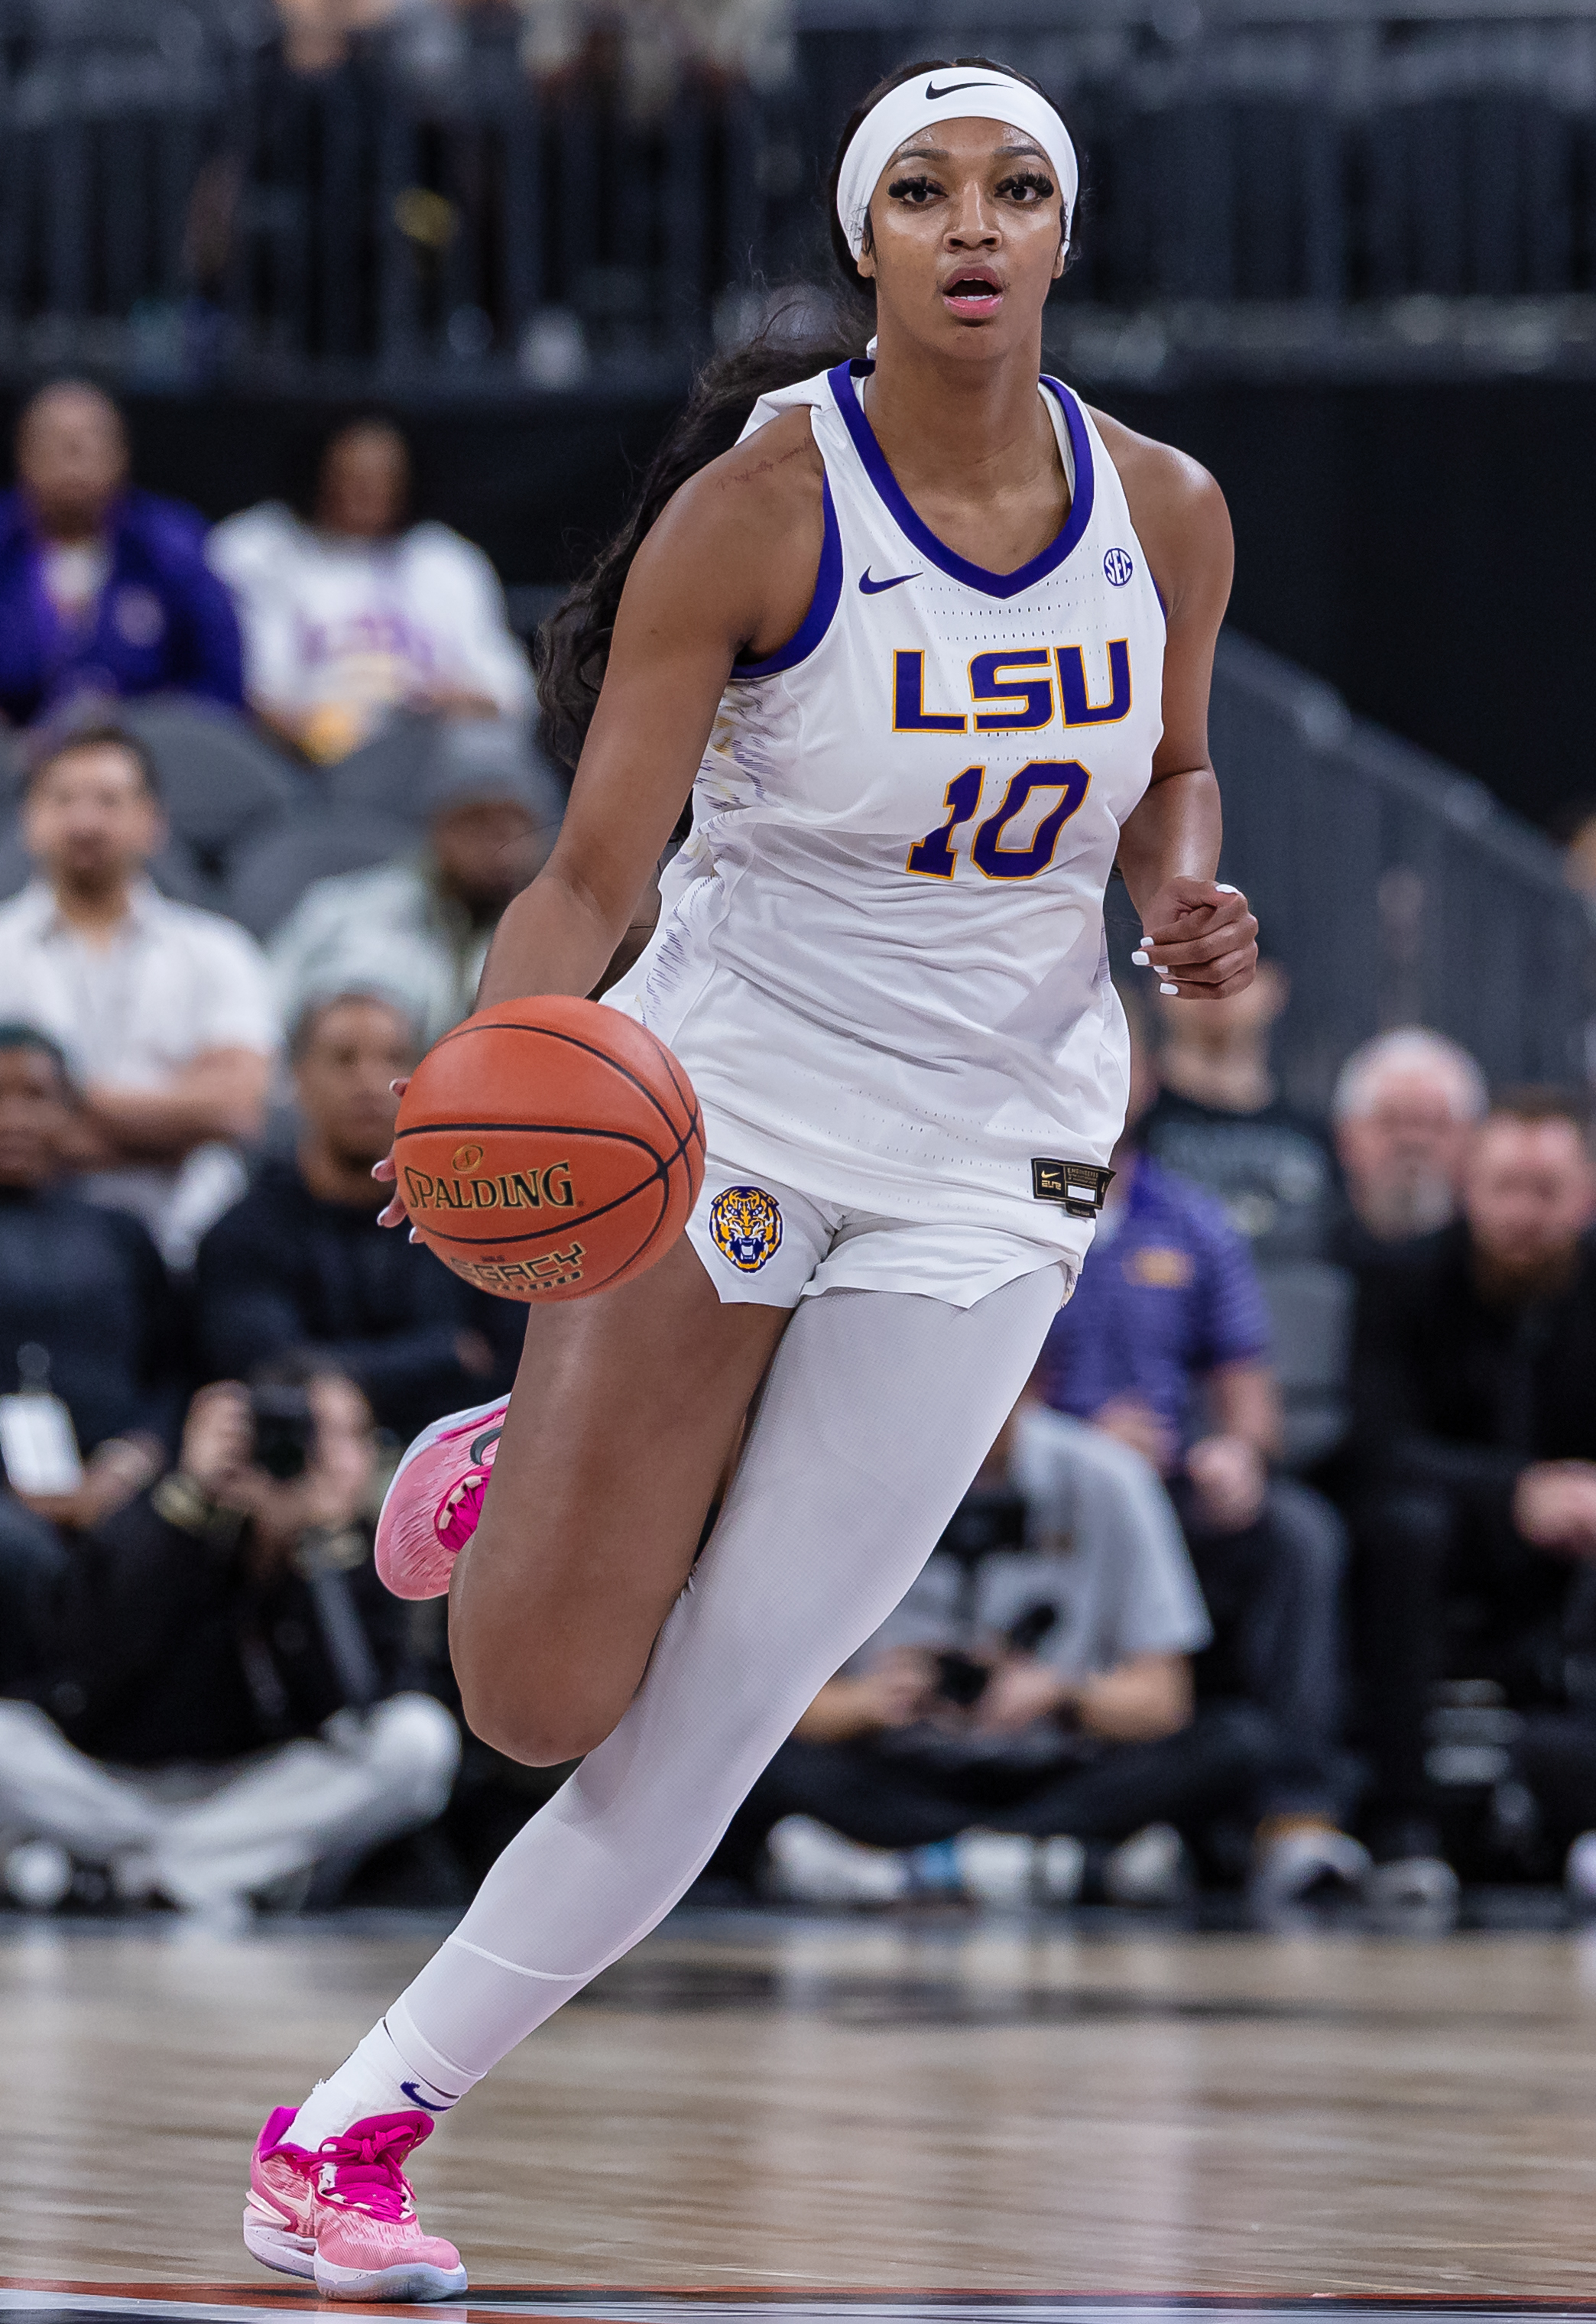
(810, 332)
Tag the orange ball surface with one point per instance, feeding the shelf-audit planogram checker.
(549, 1148)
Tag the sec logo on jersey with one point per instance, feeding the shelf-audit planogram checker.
(746, 1224)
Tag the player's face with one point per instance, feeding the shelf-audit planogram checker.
(965, 238)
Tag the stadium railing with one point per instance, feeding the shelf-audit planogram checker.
(172, 201)
(1393, 889)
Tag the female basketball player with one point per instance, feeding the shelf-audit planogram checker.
(931, 648)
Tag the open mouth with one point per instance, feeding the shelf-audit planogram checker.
(972, 296)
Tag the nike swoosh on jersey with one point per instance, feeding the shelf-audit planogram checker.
(874, 589)
(954, 87)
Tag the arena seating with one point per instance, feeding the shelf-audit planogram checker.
(274, 866)
(179, 204)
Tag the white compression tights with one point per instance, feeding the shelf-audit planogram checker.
(878, 1409)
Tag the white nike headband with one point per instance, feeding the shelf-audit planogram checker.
(948, 93)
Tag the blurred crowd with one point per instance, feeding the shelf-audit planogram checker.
(1281, 1579)
(648, 47)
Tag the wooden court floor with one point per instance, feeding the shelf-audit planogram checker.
(893, 2104)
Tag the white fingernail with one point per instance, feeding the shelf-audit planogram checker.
(1225, 888)
(1169, 988)
(1139, 960)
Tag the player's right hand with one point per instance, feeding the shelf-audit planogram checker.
(1200, 939)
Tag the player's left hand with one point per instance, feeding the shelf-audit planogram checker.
(1200, 939)
(394, 1213)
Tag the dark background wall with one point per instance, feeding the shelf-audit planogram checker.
(1427, 548)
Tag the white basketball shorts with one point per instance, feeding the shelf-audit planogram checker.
(767, 1245)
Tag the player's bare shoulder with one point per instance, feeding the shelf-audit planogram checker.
(1178, 510)
(760, 491)
(746, 530)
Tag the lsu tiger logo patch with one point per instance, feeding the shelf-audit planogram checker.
(746, 1224)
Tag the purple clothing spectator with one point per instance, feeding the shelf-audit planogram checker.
(1168, 1293)
(161, 623)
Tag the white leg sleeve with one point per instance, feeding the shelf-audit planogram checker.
(48, 1789)
(877, 1412)
(374, 1776)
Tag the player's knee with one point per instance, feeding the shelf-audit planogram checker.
(537, 1724)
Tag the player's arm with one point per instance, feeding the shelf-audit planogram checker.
(730, 565)
(1201, 938)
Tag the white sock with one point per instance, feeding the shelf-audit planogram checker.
(379, 2077)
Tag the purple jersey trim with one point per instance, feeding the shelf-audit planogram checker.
(974, 577)
(823, 604)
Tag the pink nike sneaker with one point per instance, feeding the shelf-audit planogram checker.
(430, 1509)
(343, 2215)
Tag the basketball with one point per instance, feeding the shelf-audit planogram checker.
(549, 1148)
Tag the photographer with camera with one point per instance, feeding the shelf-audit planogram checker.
(1029, 1701)
(228, 1649)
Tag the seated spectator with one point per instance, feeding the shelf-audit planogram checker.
(1475, 1428)
(352, 611)
(104, 589)
(652, 52)
(301, 1264)
(421, 927)
(230, 1624)
(1165, 1345)
(164, 1012)
(1219, 1118)
(1573, 824)
(1403, 1107)
(317, 35)
(1026, 1701)
(86, 1318)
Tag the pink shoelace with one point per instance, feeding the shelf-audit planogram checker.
(368, 2170)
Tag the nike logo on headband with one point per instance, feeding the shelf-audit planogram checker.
(954, 87)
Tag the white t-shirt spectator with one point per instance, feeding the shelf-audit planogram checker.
(390, 930)
(173, 984)
(361, 626)
(1110, 1564)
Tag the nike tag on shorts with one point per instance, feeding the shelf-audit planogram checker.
(1080, 1186)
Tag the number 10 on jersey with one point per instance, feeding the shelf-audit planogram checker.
(935, 857)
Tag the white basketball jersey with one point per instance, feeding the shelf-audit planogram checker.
(880, 954)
